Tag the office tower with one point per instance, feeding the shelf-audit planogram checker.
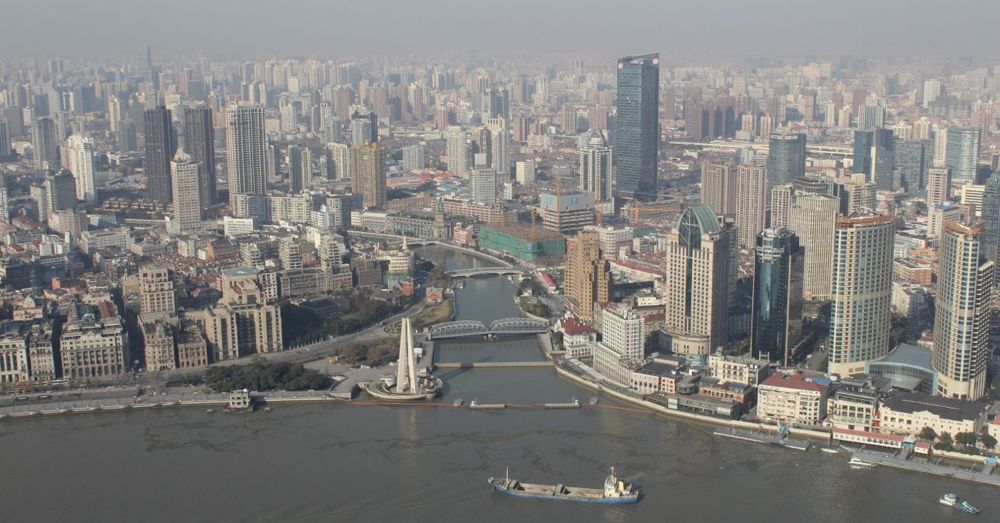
(338, 161)
(786, 158)
(638, 134)
(871, 115)
(5, 150)
(524, 172)
(364, 128)
(413, 157)
(595, 168)
(588, 275)
(500, 147)
(779, 205)
(40, 195)
(938, 215)
(776, 315)
(913, 159)
(80, 156)
(246, 151)
(862, 146)
(368, 173)
(160, 148)
(962, 313)
(290, 253)
(751, 203)
(697, 269)
(962, 155)
(199, 143)
(972, 196)
(938, 186)
(883, 160)
(812, 219)
(127, 136)
(45, 144)
(156, 290)
(861, 289)
(932, 90)
(483, 185)
(991, 223)
(718, 187)
(299, 168)
(186, 176)
(458, 152)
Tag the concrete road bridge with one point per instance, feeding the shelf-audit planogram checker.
(484, 271)
(502, 327)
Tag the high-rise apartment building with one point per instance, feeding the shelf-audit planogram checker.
(524, 172)
(718, 187)
(812, 219)
(458, 152)
(595, 168)
(776, 314)
(483, 185)
(368, 173)
(338, 161)
(499, 147)
(80, 163)
(751, 203)
(938, 186)
(588, 274)
(638, 134)
(697, 270)
(186, 188)
(246, 151)
(161, 145)
(780, 205)
(413, 157)
(861, 289)
(962, 313)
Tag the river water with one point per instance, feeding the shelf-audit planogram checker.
(378, 463)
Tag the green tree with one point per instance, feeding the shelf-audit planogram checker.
(944, 442)
(966, 438)
(988, 441)
(928, 434)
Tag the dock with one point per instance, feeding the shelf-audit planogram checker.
(902, 460)
(777, 439)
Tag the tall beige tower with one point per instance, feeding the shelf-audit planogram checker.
(718, 187)
(812, 218)
(156, 290)
(780, 205)
(751, 203)
(698, 255)
(962, 313)
(861, 291)
(368, 173)
(588, 274)
(246, 151)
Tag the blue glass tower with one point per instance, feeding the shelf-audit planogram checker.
(638, 133)
(776, 319)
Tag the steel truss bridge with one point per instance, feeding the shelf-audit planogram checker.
(502, 327)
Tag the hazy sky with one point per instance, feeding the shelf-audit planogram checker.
(339, 28)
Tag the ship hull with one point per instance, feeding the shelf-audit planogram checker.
(623, 500)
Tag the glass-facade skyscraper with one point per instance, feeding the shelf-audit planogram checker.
(786, 158)
(991, 221)
(776, 319)
(638, 133)
(962, 153)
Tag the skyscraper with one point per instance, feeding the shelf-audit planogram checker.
(595, 168)
(299, 168)
(199, 144)
(186, 188)
(913, 159)
(780, 205)
(45, 144)
(812, 219)
(413, 157)
(776, 318)
(718, 187)
(80, 156)
(5, 151)
(338, 161)
(483, 185)
(962, 154)
(861, 290)
(368, 173)
(786, 158)
(638, 134)
(160, 148)
(991, 223)
(61, 191)
(938, 186)
(962, 313)
(588, 274)
(751, 203)
(883, 160)
(364, 128)
(500, 147)
(697, 265)
(458, 152)
(246, 151)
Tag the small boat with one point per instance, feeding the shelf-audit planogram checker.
(829, 450)
(857, 462)
(457, 403)
(593, 400)
(951, 500)
(209, 411)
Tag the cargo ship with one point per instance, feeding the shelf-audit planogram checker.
(615, 491)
